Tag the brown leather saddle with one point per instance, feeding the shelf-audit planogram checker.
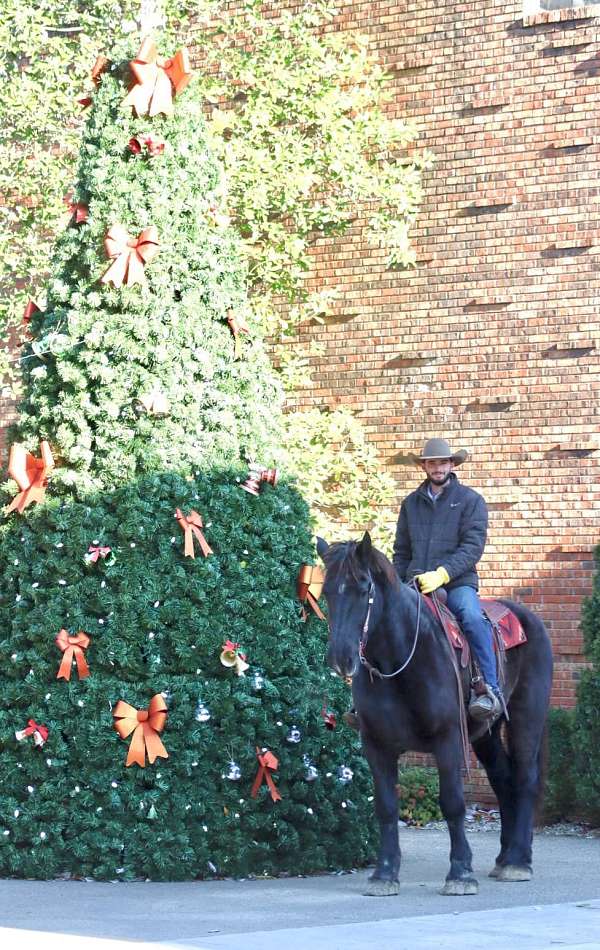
(506, 626)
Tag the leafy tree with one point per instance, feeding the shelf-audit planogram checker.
(297, 116)
(147, 410)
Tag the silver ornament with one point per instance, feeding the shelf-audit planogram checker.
(311, 772)
(258, 681)
(201, 713)
(344, 774)
(234, 773)
(294, 735)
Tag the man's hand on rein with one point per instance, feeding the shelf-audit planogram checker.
(431, 580)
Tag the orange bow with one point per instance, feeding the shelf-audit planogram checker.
(72, 646)
(309, 587)
(145, 725)
(30, 474)
(157, 79)
(268, 763)
(98, 68)
(192, 525)
(131, 254)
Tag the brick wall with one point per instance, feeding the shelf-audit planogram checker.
(493, 341)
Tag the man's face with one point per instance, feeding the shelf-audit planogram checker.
(437, 470)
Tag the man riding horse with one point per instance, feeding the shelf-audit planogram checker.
(440, 537)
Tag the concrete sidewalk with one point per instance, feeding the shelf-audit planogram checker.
(560, 907)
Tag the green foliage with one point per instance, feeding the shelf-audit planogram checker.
(339, 474)
(300, 124)
(170, 336)
(300, 118)
(157, 620)
(157, 623)
(560, 793)
(587, 713)
(418, 793)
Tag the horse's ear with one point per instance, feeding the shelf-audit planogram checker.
(322, 547)
(365, 548)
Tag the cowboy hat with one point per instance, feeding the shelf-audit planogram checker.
(438, 449)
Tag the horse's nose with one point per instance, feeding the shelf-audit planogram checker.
(342, 662)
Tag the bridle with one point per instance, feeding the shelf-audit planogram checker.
(372, 670)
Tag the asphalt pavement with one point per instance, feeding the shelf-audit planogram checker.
(560, 907)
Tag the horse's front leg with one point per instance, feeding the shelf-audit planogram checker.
(460, 879)
(384, 767)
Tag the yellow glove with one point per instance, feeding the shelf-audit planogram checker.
(431, 580)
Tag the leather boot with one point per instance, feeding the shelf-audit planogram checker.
(486, 707)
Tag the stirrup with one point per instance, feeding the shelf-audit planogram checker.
(486, 707)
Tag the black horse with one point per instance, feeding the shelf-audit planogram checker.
(376, 621)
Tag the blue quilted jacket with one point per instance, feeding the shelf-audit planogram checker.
(449, 533)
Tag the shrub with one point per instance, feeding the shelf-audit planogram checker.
(560, 791)
(418, 793)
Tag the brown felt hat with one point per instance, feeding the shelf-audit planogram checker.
(438, 449)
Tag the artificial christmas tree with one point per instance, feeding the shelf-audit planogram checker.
(155, 758)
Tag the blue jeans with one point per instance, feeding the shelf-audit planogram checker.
(464, 603)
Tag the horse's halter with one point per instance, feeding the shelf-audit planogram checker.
(372, 670)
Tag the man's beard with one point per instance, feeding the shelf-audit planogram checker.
(438, 482)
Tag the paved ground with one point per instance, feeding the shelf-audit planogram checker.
(559, 908)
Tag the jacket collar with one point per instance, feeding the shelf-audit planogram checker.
(448, 489)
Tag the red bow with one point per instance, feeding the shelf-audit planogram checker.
(30, 310)
(30, 474)
(130, 255)
(192, 526)
(72, 646)
(153, 146)
(157, 79)
(79, 212)
(39, 733)
(328, 718)
(95, 552)
(268, 763)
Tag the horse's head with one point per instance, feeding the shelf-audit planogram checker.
(351, 569)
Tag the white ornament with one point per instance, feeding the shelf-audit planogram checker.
(202, 713)
(258, 681)
(234, 774)
(344, 774)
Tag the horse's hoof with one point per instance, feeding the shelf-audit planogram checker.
(512, 872)
(378, 888)
(460, 888)
(495, 870)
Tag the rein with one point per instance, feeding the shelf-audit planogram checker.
(372, 670)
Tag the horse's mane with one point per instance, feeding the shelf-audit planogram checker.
(342, 558)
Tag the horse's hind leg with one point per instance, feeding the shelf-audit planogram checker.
(384, 766)
(525, 743)
(493, 756)
(460, 879)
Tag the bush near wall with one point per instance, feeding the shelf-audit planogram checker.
(587, 712)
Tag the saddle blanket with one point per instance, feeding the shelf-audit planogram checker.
(500, 616)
